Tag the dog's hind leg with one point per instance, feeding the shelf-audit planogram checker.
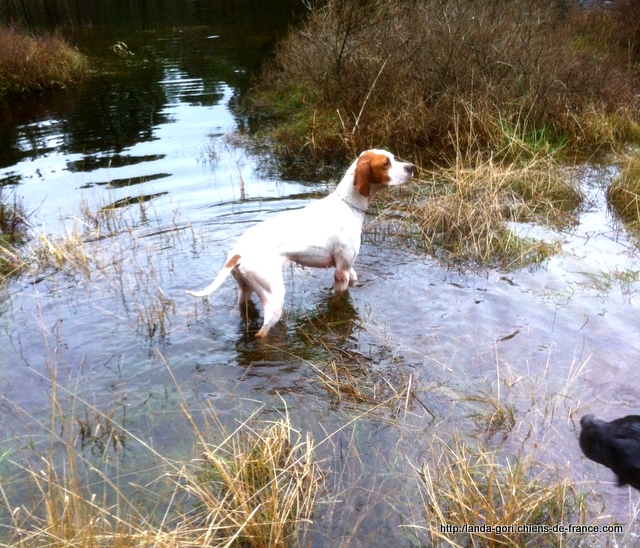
(244, 288)
(271, 295)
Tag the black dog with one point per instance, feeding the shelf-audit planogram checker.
(615, 444)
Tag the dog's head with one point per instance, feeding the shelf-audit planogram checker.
(377, 169)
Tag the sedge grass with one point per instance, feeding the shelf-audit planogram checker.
(36, 63)
(473, 486)
(461, 211)
(624, 192)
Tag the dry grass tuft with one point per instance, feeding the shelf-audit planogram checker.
(29, 63)
(479, 488)
(624, 193)
(256, 489)
(463, 209)
(13, 233)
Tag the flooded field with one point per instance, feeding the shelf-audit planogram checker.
(414, 356)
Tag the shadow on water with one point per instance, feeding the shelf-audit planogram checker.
(137, 164)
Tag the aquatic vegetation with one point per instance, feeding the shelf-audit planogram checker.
(489, 106)
(30, 63)
(255, 486)
(461, 211)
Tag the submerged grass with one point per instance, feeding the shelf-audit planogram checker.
(36, 63)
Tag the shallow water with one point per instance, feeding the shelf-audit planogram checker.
(555, 342)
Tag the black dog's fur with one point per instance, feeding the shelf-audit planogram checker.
(615, 444)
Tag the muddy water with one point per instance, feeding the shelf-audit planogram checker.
(151, 129)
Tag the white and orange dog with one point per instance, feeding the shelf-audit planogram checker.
(323, 234)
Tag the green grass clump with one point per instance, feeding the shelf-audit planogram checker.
(36, 63)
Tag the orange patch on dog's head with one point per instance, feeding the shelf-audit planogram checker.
(372, 168)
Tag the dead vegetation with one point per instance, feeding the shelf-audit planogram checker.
(35, 63)
(624, 192)
(403, 75)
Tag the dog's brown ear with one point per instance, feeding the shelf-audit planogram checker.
(362, 177)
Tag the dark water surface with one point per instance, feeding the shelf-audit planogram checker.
(150, 131)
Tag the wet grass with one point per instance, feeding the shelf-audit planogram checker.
(254, 486)
(461, 212)
(624, 192)
(36, 63)
(260, 483)
(473, 486)
(494, 479)
(13, 233)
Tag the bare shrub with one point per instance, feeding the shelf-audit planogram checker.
(360, 74)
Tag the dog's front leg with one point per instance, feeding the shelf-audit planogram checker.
(353, 278)
(342, 279)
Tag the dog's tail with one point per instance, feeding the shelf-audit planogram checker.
(222, 276)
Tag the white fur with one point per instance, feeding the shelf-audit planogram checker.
(324, 233)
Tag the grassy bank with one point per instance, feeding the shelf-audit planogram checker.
(36, 63)
(413, 75)
(624, 193)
